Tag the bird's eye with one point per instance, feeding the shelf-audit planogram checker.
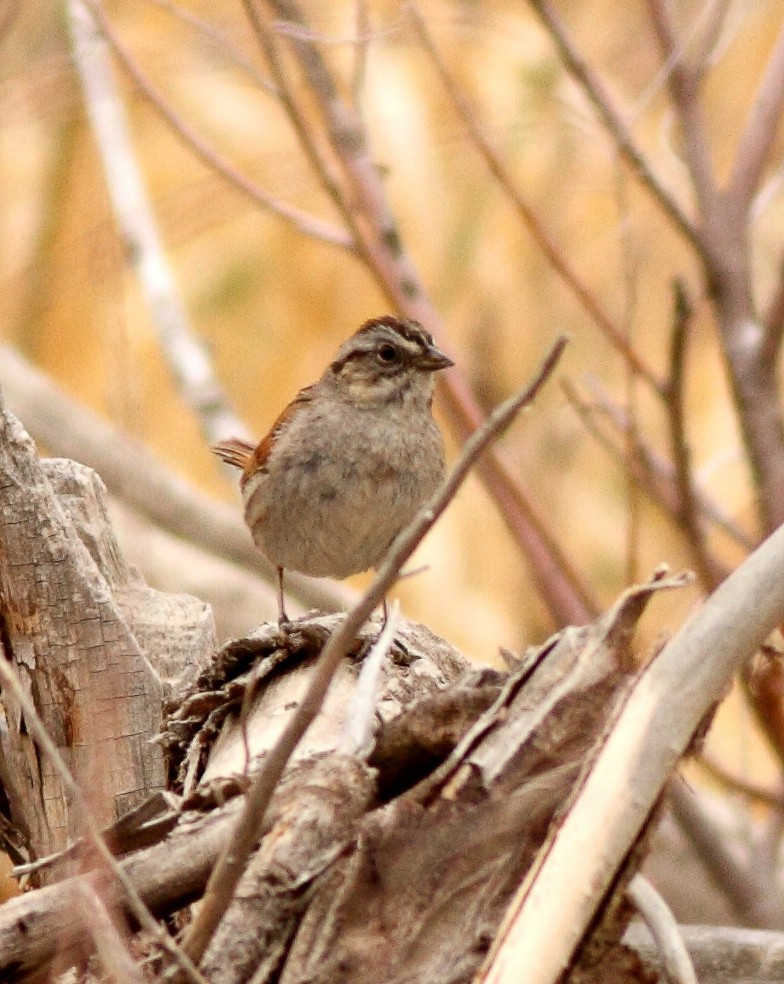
(388, 354)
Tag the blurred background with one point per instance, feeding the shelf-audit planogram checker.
(271, 304)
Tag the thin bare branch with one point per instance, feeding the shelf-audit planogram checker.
(323, 167)
(307, 225)
(659, 919)
(742, 787)
(192, 370)
(750, 892)
(774, 320)
(760, 130)
(583, 73)
(217, 40)
(358, 728)
(684, 88)
(721, 954)
(550, 250)
(689, 519)
(361, 47)
(231, 864)
(118, 964)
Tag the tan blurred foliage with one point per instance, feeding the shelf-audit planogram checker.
(272, 306)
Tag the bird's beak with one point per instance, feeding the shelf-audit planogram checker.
(434, 359)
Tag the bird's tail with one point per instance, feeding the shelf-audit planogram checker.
(234, 451)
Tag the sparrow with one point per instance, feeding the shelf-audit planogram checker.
(350, 460)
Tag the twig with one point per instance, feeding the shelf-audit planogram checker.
(665, 931)
(361, 45)
(323, 167)
(141, 913)
(702, 36)
(759, 133)
(208, 31)
(361, 710)
(231, 864)
(629, 278)
(118, 964)
(689, 520)
(184, 353)
(594, 88)
(712, 22)
(304, 223)
(554, 907)
(773, 320)
(551, 252)
(683, 85)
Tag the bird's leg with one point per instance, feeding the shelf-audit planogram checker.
(385, 612)
(283, 618)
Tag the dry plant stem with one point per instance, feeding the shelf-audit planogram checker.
(141, 480)
(684, 86)
(664, 929)
(774, 321)
(361, 712)
(759, 133)
(554, 907)
(552, 252)
(217, 40)
(361, 45)
(117, 962)
(192, 370)
(582, 72)
(302, 222)
(227, 872)
(141, 913)
(364, 207)
(689, 519)
(724, 233)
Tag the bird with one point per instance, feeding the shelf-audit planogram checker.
(350, 460)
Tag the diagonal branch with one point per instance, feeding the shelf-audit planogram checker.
(556, 903)
(187, 359)
(227, 872)
(760, 130)
(684, 87)
(688, 515)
